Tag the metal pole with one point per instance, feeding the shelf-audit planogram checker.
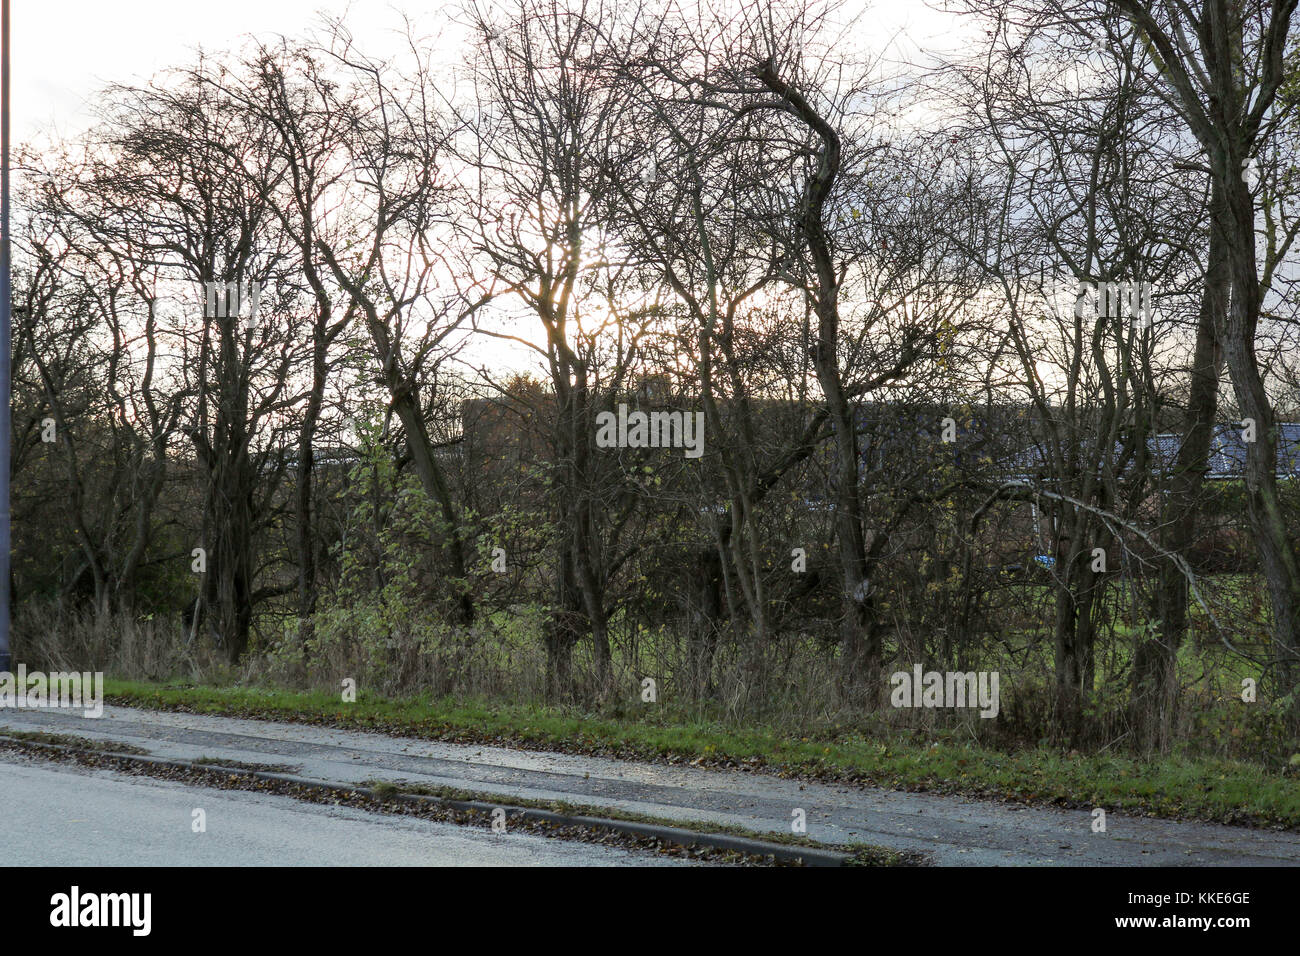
(6, 329)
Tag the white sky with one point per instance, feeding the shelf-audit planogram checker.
(64, 51)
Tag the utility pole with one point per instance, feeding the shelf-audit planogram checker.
(6, 331)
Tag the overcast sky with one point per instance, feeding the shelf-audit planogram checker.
(64, 51)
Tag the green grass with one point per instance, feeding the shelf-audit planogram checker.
(1173, 787)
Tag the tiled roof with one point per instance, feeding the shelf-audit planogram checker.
(1228, 450)
(1227, 458)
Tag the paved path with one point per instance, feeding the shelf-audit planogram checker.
(954, 830)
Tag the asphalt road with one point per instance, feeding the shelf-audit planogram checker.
(59, 815)
(955, 831)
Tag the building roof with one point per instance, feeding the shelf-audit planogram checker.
(1227, 458)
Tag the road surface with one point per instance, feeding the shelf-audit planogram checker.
(955, 831)
(61, 815)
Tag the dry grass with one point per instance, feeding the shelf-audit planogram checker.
(790, 685)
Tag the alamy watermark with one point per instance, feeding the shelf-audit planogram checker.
(226, 300)
(651, 430)
(1114, 300)
(76, 909)
(946, 689)
(72, 690)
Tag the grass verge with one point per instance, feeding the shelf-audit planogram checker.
(1171, 787)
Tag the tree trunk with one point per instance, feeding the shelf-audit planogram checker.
(1276, 545)
(1154, 678)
